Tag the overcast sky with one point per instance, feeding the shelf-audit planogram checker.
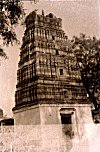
(78, 16)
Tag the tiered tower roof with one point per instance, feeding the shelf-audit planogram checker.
(47, 71)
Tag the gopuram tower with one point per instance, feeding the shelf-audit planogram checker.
(49, 88)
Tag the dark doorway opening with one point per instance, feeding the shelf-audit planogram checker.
(66, 119)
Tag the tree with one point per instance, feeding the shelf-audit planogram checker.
(87, 52)
(11, 12)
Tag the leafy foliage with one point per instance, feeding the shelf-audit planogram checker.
(87, 51)
(11, 11)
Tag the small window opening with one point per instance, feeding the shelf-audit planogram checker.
(57, 52)
(53, 37)
(65, 94)
(61, 71)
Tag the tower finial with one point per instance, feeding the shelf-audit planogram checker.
(43, 12)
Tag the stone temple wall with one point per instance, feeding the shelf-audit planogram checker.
(51, 114)
(48, 138)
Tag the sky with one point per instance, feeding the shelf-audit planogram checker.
(78, 16)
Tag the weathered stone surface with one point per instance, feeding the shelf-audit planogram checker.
(48, 138)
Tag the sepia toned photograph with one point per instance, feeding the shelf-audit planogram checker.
(49, 75)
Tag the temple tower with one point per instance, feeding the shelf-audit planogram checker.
(49, 88)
